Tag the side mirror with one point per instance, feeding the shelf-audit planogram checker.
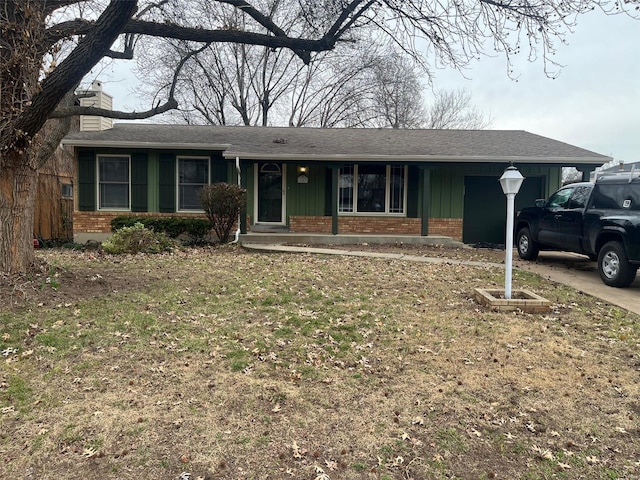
(540, 202)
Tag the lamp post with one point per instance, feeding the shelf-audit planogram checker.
(510, 181)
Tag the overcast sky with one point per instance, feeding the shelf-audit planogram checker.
(594, 103)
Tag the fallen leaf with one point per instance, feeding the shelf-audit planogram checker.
(89, 452)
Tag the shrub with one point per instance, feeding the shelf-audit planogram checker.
(196, 228)
(222, 202)
(137, 239)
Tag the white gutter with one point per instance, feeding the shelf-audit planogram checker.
(418, 158)
(240, 185)
(146, 145)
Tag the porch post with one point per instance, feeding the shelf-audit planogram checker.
(426, 196)
(586, 172)
(335, 177)
(242, 180)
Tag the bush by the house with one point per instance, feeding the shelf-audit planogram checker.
(137, 239)
(195, 228)
(222, 202)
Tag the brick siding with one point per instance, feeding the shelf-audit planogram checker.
(449, 227)
(100, 222)
(446, 227)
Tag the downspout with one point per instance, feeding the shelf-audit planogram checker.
(240, 185)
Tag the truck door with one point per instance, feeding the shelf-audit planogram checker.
(548, 232)
(569, 219)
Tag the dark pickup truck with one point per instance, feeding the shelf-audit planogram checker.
(600, 220)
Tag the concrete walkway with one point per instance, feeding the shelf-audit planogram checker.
(569, 269)
(580, 273)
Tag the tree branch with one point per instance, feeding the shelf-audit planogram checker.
(103, 112)
(170, 104)
(301, 46)
(266, 22)
(91, 48)
(52, 5)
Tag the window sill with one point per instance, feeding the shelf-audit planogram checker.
(371, 214)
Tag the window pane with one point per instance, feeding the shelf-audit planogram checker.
(114, 195)
(345, 199)
(371, 188)
(114, 169)
(113, 173)
(66, 190)
(560, 198)
(194, 170)
(189, 197)
(579, 198)
(396, 185)
(193, 174)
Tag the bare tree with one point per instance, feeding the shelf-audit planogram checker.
(35, 31)
(333, 90)
(397, 100)
(453, 109)
(226, 83)
(571, 175)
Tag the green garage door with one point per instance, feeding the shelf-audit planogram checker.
(485, 207)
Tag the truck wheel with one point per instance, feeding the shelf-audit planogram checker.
(528, 249)
(614, 267)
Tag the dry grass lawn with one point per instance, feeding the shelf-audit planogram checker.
(222, 363)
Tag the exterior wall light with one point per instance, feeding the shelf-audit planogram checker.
(303, 174)
(510, 181)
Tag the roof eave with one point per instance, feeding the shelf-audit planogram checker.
(145, 145)
(416, 158)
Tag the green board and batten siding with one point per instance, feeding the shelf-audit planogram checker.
(166, 181)
(447, 188)
(153, 177)
(139, 181)
(447, 185)
(153, 183)
(306, 198)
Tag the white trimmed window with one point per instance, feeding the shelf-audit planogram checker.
(372, 189)
(114, 187)
(193, 174)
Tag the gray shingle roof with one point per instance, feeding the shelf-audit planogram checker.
(352, 143)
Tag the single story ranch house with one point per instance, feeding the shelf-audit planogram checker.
(311, 180)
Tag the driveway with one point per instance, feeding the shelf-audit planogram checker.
(579, 272)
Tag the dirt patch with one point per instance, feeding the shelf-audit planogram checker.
(54, 285)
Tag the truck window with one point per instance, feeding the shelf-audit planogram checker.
(560, 198)
(580, 197)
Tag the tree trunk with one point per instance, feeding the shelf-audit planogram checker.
(18, 184)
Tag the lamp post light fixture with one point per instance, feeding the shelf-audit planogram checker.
(510, 181)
